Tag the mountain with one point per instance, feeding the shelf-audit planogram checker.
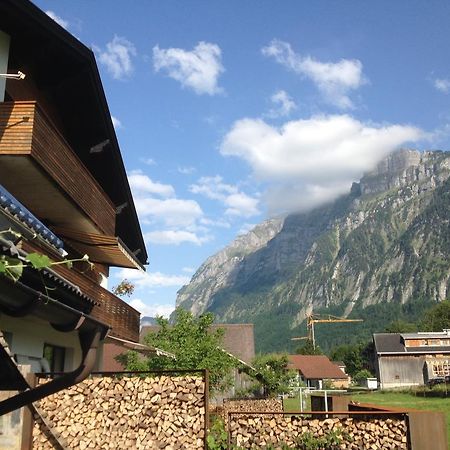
(379, 253)
(147, 320)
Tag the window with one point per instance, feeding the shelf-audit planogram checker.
(441, 368)
(55, 357)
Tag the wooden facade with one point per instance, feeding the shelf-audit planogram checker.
(49, 162)
(59, 157)
(411, 359)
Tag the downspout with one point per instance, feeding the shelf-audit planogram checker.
(89, 342)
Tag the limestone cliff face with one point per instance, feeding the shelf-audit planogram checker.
(386, 243)
(220, 270)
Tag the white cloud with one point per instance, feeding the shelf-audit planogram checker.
(152, 279)
(221, 223)
(308, 162)
(442, 84)
(152, 310)
(149, 161)
(117, 57)
(186, 170)
(173, 212)
(242, 205)
(174, 237)
(174, 221)
(334, 80)
(59, 20)
(283, 104)
(198, 69)
(116, 123)
(188, 269)
(237, 203)
(213, 188)
(142, 184)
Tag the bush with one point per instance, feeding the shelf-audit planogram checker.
(361, 375)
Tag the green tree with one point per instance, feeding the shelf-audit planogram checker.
(436, 318)
(355, 356)
(308, 349)
(193, 344)
(401, 326)
(272, 373)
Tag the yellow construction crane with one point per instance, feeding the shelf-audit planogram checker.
(311, 319)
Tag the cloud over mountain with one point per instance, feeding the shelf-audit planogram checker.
(311, 161)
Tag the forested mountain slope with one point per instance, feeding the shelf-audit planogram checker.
(379, 253)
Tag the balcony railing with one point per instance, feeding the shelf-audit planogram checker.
(123, 319)
(35, 158)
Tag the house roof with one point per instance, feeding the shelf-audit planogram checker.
(66, 70)
(238, 339)
(429, 349)
(315, 367)
(427, 335)
(388, 343)
(395, 343)
(11, 206)
(339, 363)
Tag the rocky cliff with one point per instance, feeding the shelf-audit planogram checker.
(378, 253)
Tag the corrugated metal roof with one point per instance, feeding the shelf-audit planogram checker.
(317, 367)
(427, 335)
(12, 206)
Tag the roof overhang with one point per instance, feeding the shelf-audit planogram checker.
(421, 353)
(66, 70)
(140, 348)
(103, 249)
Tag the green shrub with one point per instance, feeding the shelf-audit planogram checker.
(217, 438)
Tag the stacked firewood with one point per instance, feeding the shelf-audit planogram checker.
(130, 412)
(250, 405)
(255, 432)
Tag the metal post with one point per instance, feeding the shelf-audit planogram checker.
(206, 403)
(300, 391)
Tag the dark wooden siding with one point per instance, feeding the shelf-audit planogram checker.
(123, 319)
(25, 130)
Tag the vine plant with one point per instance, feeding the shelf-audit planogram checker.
(14, 265)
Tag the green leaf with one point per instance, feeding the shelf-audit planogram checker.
(3, 265)
(38, 261)
(11, 267)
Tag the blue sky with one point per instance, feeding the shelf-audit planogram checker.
(228, 112)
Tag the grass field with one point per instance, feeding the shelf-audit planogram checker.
(407, 400)
(398, 400)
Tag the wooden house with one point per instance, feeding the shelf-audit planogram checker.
(411, 359)
(314, 370)
(64, 193)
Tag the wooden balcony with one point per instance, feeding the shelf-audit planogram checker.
(123, 319)
(41, 170)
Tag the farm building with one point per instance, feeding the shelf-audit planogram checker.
(411, 359)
